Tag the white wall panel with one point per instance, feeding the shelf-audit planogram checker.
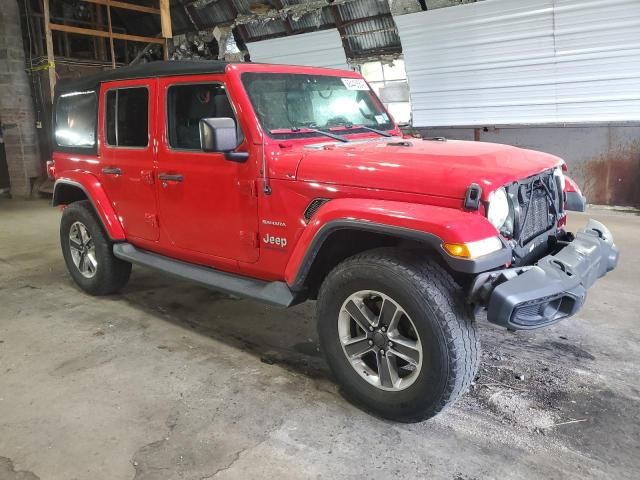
(316, 49)
(513, 62)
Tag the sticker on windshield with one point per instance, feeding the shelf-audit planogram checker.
(380, 119)
(355, 84)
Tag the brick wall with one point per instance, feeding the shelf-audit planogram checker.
(16, 105)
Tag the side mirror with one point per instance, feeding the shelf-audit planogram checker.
(220, 135)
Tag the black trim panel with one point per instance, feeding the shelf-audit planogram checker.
(487, 262)
(274, 293)
(143, 70)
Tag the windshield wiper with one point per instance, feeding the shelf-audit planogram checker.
(309, 129)
(364, 127)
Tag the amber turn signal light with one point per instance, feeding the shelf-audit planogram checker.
(457, 249)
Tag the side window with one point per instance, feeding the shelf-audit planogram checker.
(76, 120)
(127, 117)
(187, 105)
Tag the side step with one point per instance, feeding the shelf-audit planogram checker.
(274, 293)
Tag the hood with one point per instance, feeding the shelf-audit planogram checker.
(442, 168)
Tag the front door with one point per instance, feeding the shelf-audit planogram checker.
(207, 204)
(127, 154)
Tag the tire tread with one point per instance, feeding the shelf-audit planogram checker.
(446, 298)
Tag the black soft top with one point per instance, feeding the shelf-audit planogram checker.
(143, 70)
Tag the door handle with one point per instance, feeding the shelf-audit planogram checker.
(170, 177)
(111, 171)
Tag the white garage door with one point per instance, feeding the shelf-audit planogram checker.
(316, 49)
(514, 62)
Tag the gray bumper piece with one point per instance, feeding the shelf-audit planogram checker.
(575, 202)
(555, 288)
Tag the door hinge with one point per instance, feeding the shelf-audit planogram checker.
(147, 176)
(151, 219)
(249, 188)
(249, 238)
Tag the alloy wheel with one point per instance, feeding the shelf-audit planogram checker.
(380, 340)
(83, 250)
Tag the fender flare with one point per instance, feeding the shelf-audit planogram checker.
(427, 224)
(95, 193)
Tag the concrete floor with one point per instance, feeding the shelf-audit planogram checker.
(171, 381)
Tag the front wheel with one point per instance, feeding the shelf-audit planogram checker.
(397, 334)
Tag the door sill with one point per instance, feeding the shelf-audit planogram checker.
(273, 293)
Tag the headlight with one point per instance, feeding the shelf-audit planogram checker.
(498, 210)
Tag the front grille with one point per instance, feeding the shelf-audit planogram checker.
(537, 218)
(536, 202)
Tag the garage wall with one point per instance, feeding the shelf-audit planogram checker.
(514, 62)
(318, 49)
(16, 107)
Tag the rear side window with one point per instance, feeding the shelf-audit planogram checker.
(127, 117)
(76, 120)
(187, 105)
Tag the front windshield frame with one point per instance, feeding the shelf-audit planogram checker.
(298, 130)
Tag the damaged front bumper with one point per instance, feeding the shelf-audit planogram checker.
(538, 295)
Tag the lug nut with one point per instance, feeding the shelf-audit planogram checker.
(390, 344)
(371, 329)
(382, 352)
(384, 329)
(370, 342)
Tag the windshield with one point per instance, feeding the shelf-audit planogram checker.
(287, 103)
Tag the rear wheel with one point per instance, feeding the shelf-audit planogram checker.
(87, 252)
(397, 334)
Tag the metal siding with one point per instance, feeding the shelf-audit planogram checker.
(318, 49)
(508, 62)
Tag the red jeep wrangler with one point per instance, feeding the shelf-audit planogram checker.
(283, 183)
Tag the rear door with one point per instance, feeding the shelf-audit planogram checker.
(128, 154)
(207, 204)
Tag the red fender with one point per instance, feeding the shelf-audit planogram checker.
(447, 224)
(570, 185)
(92, 188)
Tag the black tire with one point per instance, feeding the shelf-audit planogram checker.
(444, 322)
(111, 273)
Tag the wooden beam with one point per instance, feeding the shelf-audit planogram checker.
(49, 42)
(126, 6)
(111, 46)
(101, 33)
(165, 19)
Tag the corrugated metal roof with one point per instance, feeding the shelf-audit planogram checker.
(362, 9)
(372, 35)
(256, 30)
(244, 6)
(366, 37)
(222, 11)
(317, 19)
